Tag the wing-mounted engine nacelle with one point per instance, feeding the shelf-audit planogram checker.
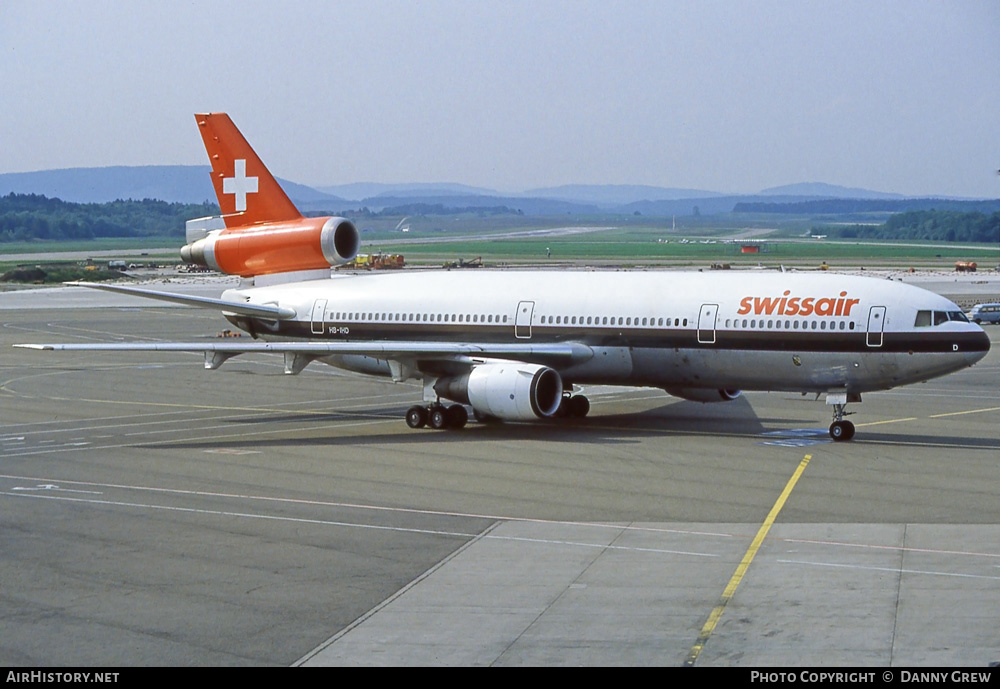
(280, 247)
(704, 394)
(510, 390)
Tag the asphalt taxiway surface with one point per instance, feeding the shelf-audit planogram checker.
(154, 513)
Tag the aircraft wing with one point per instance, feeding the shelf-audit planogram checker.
(255, 310)
(571, 351)
(401, 355)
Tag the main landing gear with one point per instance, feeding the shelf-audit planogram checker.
(841, 430)
(573, 407)
(437, 416)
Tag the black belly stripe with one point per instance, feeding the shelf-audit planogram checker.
(652, 338)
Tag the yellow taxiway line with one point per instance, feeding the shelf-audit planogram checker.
(734, 581)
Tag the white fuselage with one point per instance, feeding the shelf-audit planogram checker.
(675, 330)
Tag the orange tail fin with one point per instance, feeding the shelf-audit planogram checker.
(247, 192)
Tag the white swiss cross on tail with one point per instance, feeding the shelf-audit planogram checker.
(239, 184)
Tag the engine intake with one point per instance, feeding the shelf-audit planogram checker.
(511, 391)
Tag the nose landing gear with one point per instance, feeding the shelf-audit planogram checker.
(841, 430)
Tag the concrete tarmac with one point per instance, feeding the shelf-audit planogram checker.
(154, 513)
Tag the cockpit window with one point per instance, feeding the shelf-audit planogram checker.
(927, 318)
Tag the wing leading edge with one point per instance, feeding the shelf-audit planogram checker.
(254, 310)
(400, 355)
(572, 352)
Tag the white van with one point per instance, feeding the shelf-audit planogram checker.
(985, 313)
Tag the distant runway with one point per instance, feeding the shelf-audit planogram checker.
(154, 513)
(367, 244)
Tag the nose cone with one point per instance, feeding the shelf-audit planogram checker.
(975, 346)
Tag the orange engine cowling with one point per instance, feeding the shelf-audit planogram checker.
(278, 247)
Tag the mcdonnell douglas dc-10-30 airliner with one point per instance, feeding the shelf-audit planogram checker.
(512, 344)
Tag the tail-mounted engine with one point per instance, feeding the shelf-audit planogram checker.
(279, 247)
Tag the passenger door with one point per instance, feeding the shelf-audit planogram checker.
(522, 320)
(318, 316)
(876, 325)
(706, 323)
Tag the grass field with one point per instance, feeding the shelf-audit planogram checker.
(627, 247)
(634, 243)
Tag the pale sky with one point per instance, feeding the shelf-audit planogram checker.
(895, 96)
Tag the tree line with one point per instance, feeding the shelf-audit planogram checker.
(27, 217)
(934, 225)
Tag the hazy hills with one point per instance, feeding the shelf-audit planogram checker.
(192, 184)
(822, 190)
(176, 183)
(172, 183)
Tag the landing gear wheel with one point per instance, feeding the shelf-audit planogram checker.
(572, 407)
(457, 416)
(438, 418)
(416, 417)
(841, 431)
(578, 406)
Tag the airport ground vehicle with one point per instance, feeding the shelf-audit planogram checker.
(985, 313)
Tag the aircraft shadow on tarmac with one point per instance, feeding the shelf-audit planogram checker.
(942, 441)
(734, 420)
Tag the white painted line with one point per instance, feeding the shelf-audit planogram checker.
(621, 527)
(890, 569)
(377, 527)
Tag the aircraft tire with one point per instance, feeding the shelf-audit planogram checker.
(578, 406)
(841, 431)
(457, 416)
(416, 417)
(438, 418)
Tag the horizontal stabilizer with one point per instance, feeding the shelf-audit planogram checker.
(256, 310)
